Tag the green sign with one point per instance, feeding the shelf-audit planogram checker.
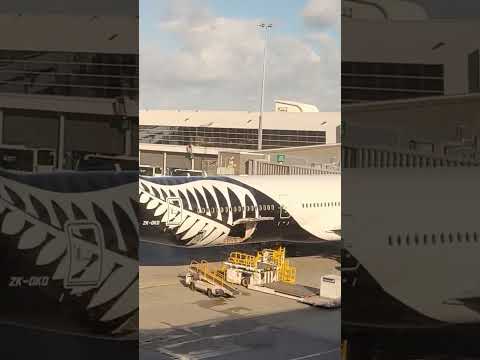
(280, 158)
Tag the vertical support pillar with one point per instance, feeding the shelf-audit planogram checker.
(61, 142)
(164, 170)
(1, 126)
(128, 142)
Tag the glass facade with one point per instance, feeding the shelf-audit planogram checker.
(368, 81)
(235, 138)
(69, 74)
(474, 71)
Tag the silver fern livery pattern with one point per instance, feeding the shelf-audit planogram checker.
(69, 246)
(212, 211)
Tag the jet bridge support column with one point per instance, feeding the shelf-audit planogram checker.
(164, 170)
(1, 126)
(128, 142)
(61, 142)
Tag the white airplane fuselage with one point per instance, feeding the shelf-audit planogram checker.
(212, 211)
(412, 241)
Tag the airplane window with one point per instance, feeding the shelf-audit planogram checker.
(475, 237)
(434, 240)
(467, 237)
(407, 240)
(416, 239)
(442, 238)
(459, 237)
(450, 238)
(425, 240)
(390, 240)
(399, 240)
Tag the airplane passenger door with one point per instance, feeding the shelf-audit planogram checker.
(284, 214)
(84, 254)
(175, 211)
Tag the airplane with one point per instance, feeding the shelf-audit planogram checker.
(69, 253)
(411, 250)
(226, 210)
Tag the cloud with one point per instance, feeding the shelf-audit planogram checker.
(322, 13)
(216, 63)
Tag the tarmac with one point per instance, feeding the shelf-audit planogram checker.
(177, 323)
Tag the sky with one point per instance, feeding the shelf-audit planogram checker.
(207, 54)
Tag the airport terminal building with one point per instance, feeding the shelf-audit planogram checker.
(195, 139)
(57, 89)
(423, 57)
(412, 100)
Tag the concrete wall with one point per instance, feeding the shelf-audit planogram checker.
(29, 128)
(178, 160)
(308, 156)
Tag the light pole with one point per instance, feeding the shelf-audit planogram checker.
(260, 128)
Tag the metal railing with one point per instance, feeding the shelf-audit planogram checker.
(384, 158)
(261, 167)
(212, 276)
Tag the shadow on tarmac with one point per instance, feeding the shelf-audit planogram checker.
(309, 333)
(152, 253)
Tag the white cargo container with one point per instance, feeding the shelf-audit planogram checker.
(331, 287)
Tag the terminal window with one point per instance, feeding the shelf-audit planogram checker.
(474, 71)
(370, 81)
(227, 137)
(69, 74)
